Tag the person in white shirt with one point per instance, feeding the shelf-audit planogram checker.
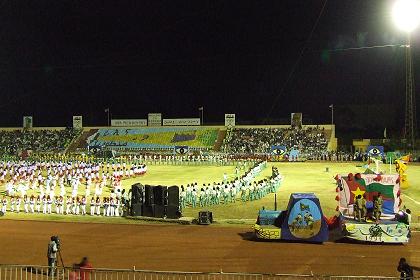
(92, 206)
(4, 205)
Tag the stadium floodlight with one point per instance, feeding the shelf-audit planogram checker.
(406, 14)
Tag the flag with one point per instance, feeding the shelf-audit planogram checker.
(201, 108)
(106, 110)
(370, 185)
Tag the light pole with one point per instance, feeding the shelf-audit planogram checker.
(332, 113)
(108, 116)
(406, 16)
(201, 109)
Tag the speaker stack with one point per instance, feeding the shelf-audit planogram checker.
(155, 201)
(148, 201)
(160, 201)
(137, 199)
(172, 210)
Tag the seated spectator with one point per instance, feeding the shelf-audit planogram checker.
(309, 141)
(17, 141)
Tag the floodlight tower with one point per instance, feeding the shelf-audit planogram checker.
(406, 15)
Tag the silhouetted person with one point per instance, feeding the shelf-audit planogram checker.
(406, 271)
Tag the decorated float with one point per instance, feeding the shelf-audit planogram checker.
(302, 221)
(390, 224)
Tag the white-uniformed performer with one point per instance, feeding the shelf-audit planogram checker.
(49, 205)
(111, 207)
(92, 206)
(9, 188)
(117, 207)
(18, 201)
(32, 204)
(106, 206)
(4, 205)
(77, 205)
(26, 204)
(57, 204)
(61, 208)
(68, 205)
(12, 204)
(98, 206)
(83, 205)
(38, 204)
(75, 187)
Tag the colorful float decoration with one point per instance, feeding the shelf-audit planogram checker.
(302, 221)
(372, 222)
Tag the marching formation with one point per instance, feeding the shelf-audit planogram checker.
(109, 206)
(228, 192)
(55, 186)
(76, 187)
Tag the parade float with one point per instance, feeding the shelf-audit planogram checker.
(391, 225)
(302, 221)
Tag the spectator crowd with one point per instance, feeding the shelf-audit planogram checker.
(309, 141)
(16, 141)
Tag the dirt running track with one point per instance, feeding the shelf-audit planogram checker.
(194, 248)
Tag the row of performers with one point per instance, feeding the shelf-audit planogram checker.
(109, 206)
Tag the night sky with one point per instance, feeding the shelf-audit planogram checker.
(64, 58)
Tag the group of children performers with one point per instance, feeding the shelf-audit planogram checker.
(45, 178)
(360, 211)
(108, 206)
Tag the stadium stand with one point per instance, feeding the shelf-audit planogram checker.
(153, 138)
(13, 141)
(310, 141)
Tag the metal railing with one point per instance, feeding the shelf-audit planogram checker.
(33, 272)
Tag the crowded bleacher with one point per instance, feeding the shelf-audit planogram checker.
(14, 141)
(256, 142)
(153, 138)
(311, 141)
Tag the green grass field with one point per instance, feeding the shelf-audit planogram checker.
(298, 177)
(309, 177)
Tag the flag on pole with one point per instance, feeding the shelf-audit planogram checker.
(201, 109)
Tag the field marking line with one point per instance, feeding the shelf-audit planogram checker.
(412, 199)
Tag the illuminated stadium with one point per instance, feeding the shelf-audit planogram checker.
(207, 141)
